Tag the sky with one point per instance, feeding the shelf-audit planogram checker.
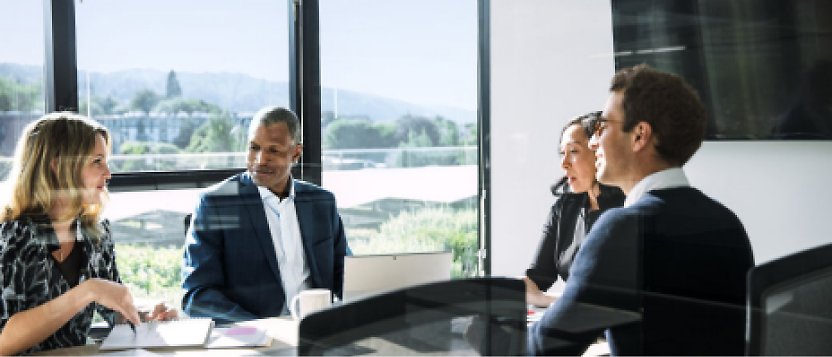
(419, 51)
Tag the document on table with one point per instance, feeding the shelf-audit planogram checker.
(178, 333)
(238, 336)
(130, 352)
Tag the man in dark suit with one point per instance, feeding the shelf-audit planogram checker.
(260, 237)
(665, 274)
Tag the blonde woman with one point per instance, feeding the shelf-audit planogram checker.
(57, 259)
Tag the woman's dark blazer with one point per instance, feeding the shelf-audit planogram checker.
(554, 256)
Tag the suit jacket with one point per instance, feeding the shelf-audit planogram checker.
(230, 268)
(678, 259)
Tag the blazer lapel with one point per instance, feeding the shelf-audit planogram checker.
(257, 219)
(306, 222)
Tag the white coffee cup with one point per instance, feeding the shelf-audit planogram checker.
(309, 301)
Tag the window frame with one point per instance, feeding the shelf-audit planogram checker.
(61, 93)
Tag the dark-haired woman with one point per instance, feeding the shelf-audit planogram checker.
(580, 201)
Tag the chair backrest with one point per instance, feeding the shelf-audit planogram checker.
(467, 316)
(790, 305)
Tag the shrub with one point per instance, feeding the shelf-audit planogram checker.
(426, 230)
(152, 273)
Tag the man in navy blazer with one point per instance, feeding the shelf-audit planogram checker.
(260, 237)
(665, 274)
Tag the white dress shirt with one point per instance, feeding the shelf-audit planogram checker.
(668, 178)
(285, 230)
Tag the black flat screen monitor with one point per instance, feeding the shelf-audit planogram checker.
(762, 67)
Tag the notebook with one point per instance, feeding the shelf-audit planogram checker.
(154, 334)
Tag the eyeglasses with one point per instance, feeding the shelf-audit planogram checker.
(598, 124)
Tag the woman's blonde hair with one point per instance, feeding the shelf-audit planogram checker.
(62, 140)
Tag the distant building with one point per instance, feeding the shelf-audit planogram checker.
(155, 127)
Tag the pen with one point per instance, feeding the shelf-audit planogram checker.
(132, 327)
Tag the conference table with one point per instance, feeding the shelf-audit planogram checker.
(282, 330)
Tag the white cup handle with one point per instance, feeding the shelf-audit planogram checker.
(293, 307)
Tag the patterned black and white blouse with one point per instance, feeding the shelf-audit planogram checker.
(30, 276)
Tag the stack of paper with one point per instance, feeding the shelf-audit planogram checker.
(178, 333)
(239, 336)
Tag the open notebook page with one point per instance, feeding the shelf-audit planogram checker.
(178, 333)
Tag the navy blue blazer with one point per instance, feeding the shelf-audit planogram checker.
(230, 270)
(678, 259)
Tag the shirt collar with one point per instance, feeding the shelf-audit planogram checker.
(668, 178)
(266, 194)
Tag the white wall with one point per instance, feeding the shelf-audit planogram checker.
(780, 190)
(552, 60)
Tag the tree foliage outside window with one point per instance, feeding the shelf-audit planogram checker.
(173, 89)
(151, 271)
(144, 101)
(22, 97)
(425, 230)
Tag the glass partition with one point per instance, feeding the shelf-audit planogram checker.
(176, 82)
(21, 73)
(399, 112)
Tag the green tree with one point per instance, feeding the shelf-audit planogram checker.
(183, 105)
(99, 106)
(358, 134)
(144, 101)
(172, 89)
(425, 230)
(469, 137)
(410, 127)
(151, 271)
(90, 107)
(448, 131)
(139, 148)
(19, 96)
(215, 136)
(187, 127)
(108, 105)
(413, 158)
(417, 139)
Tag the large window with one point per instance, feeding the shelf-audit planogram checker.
(176, 82)
(177, 91)
(399, 111)
(21, 73)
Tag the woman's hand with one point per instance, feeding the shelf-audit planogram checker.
(162, 312)
(536, 297)
(114, 296)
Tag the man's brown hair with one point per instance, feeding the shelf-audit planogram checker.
(666, 102)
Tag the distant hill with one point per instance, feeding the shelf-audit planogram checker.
(237, 92)
(21, 73)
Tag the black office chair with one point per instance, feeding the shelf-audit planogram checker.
(790, 305)
(468, 316)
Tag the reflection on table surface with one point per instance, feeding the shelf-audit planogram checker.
(282, 330)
